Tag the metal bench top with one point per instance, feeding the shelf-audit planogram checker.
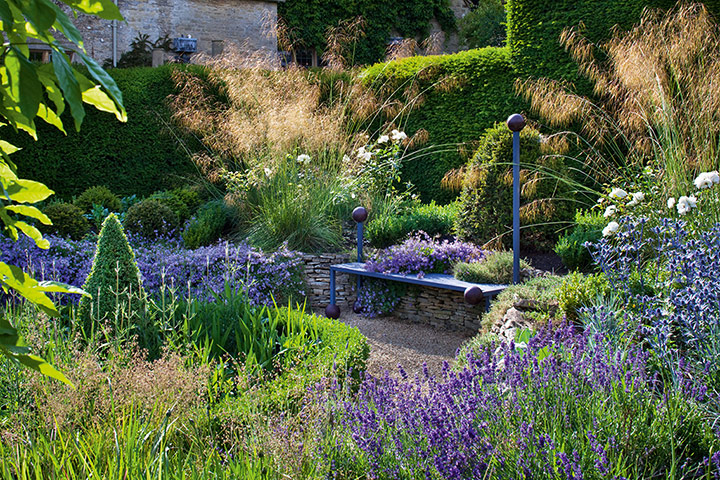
(437, 280)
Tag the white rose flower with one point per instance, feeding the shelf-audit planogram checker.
(397, 135)
(383, 139)
(618, 193)
(611, 228)
(610, 211)
(268, 172)
(364, 154)
(637, 197)
(685, 204)
(304, 158)
(671, 202)
(707, 180)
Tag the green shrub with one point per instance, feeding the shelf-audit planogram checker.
(137, 157)
(190, 197)
(496, 267)
(341, 353)
(571, 247)
(151, 219)
(173, 202)
(207, 226)
(578, 290)
(476, 91)
(484, 26)
(67, 221)
(388, 229)
(305, 215)
(98, 195)
(114, 280)
(486, 214)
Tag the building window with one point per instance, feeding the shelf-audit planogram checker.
(306, 57)
(42, 56)
(217, 47)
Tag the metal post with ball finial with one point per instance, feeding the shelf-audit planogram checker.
(516, 123)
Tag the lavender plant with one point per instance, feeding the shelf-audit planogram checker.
(567, 406)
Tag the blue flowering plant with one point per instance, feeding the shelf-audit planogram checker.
(671, 297)
(418, 255)
(168, 265)
(509, 411)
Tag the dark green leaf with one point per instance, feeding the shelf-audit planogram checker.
(70, 87)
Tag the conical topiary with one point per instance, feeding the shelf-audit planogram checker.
(114, 280)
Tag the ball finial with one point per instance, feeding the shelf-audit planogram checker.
(360, 214)
(473, 295)
(332, 311)
(516, 122)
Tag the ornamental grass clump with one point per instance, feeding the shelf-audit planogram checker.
(563, 406)
(656, 101)
(114, 280)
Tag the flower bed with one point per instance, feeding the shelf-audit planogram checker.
(167, 264)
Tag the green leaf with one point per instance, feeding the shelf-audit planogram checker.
(13, 347)
(50, 117)
(46, 75)
(63, 24)
(70, 87)
(39, 13)
(30, 211)
(7, 148)
(5, 13)
(25, 82)
(92, 94)
(57, 287)
(28, 191)
(33, 233)
(102, 8)
(102, 77)
(13, 277)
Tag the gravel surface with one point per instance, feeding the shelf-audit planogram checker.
(394, 342)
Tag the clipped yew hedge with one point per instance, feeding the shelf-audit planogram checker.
(476, 91)
(137, 157)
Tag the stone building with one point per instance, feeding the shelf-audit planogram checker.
(213, 23)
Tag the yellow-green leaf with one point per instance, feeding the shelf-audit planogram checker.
(28, 191)
(33, 233)
(30, 211)
(57, 287)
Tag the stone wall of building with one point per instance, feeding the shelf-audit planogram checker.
(430, 306)
(214, 23)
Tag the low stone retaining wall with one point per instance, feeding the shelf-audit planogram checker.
(317, 277)
(430, 306)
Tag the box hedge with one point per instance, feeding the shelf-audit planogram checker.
(137, 157)
(463, 94)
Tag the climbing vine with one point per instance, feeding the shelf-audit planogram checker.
(309, 20)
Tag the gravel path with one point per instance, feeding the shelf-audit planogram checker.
(394, 342)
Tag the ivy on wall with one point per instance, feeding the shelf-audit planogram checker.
(309, 20)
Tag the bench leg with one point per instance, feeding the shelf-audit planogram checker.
(332, 287)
